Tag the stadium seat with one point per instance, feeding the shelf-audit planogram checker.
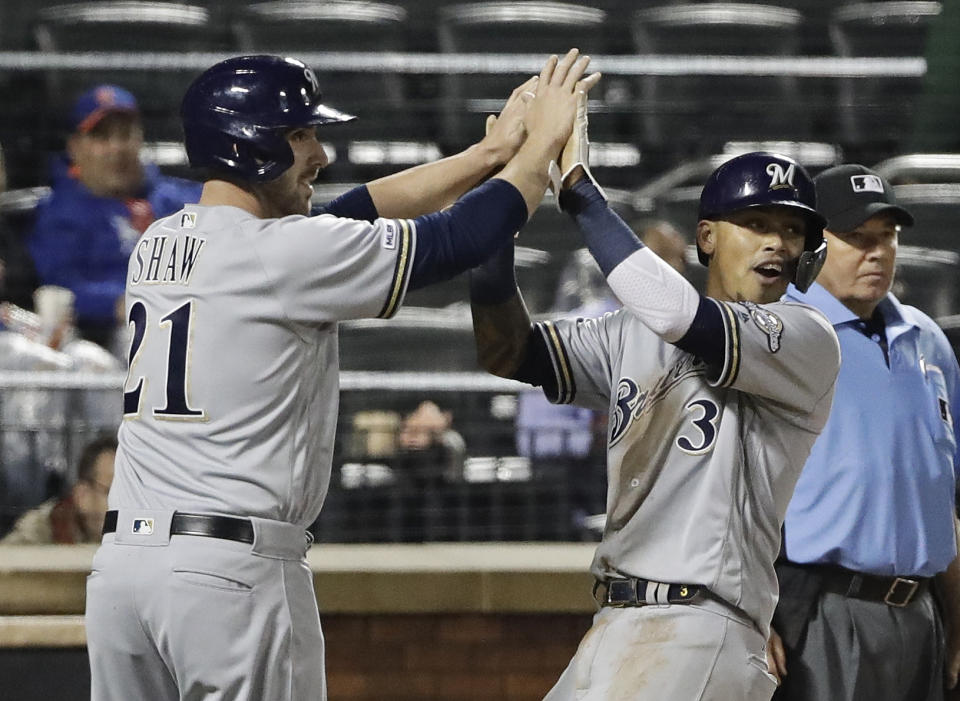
(537, 28)
(927, 277)
(694, 115)
(936, 209)
(874, 114)
(928, 259)
(125, 26)
(921, 168)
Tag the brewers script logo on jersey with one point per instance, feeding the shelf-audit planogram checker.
(632, 402)
(780, 178)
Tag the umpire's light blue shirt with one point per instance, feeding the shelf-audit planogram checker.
(877, 493)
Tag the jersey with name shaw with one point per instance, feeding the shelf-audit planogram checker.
(701, 464)
(231, 399)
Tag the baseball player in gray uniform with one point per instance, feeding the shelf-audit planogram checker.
(714, 403)
(200, 589)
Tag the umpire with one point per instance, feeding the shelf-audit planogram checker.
(869, 581)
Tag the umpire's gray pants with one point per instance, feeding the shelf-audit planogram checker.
(681, 652)
(188, 618)
(856, 650)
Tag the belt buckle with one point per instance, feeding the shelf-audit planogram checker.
(617, 593)
(890, 599)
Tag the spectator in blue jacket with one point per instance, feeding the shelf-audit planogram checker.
(102, 199)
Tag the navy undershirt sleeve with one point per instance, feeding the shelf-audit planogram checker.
(706, 338)
(536, 368)
(607, 236)
(353, 204)
(467, 233)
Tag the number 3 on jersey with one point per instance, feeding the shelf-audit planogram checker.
(706, 424)
(177, 406)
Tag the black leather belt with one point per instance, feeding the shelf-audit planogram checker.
(893, 591)
(642, 592)
(224, 527)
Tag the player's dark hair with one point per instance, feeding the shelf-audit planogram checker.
(91, 451)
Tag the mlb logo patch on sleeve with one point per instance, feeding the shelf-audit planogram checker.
(389, 238)
(866, 183)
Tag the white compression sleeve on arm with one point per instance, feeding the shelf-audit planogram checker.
(656, 293)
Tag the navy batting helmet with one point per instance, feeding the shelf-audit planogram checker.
(236, 115)
(763, 179)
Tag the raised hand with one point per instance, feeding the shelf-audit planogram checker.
(505, 134)
(575, 157)
(550, 114)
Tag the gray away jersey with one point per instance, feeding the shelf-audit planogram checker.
(231, 399)
(701, 469)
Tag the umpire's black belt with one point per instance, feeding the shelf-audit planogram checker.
(224, 527)
(631, 591)
(893, 591)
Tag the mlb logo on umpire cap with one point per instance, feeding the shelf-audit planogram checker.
(866, 183)
(142, 526)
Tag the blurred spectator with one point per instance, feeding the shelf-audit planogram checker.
(429, 449)
(666, 241)
(76, 517)
(102, 199)
(430, 453)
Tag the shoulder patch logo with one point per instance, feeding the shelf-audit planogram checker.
(780, 178)
(866, 183)
(768, 322)
(389, 238)
(188, 220)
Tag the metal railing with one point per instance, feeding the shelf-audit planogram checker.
(472, 483)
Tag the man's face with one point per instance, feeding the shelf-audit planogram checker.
(291, 192)
(422, 427)
(753, 253)
(860, 263)
(107, 158)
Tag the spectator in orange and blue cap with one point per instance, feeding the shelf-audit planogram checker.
(102, 199)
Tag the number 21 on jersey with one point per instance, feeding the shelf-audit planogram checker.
(177, 339)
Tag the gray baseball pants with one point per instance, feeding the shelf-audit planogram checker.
(681, 652)
(856, 650)
(187, 618)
